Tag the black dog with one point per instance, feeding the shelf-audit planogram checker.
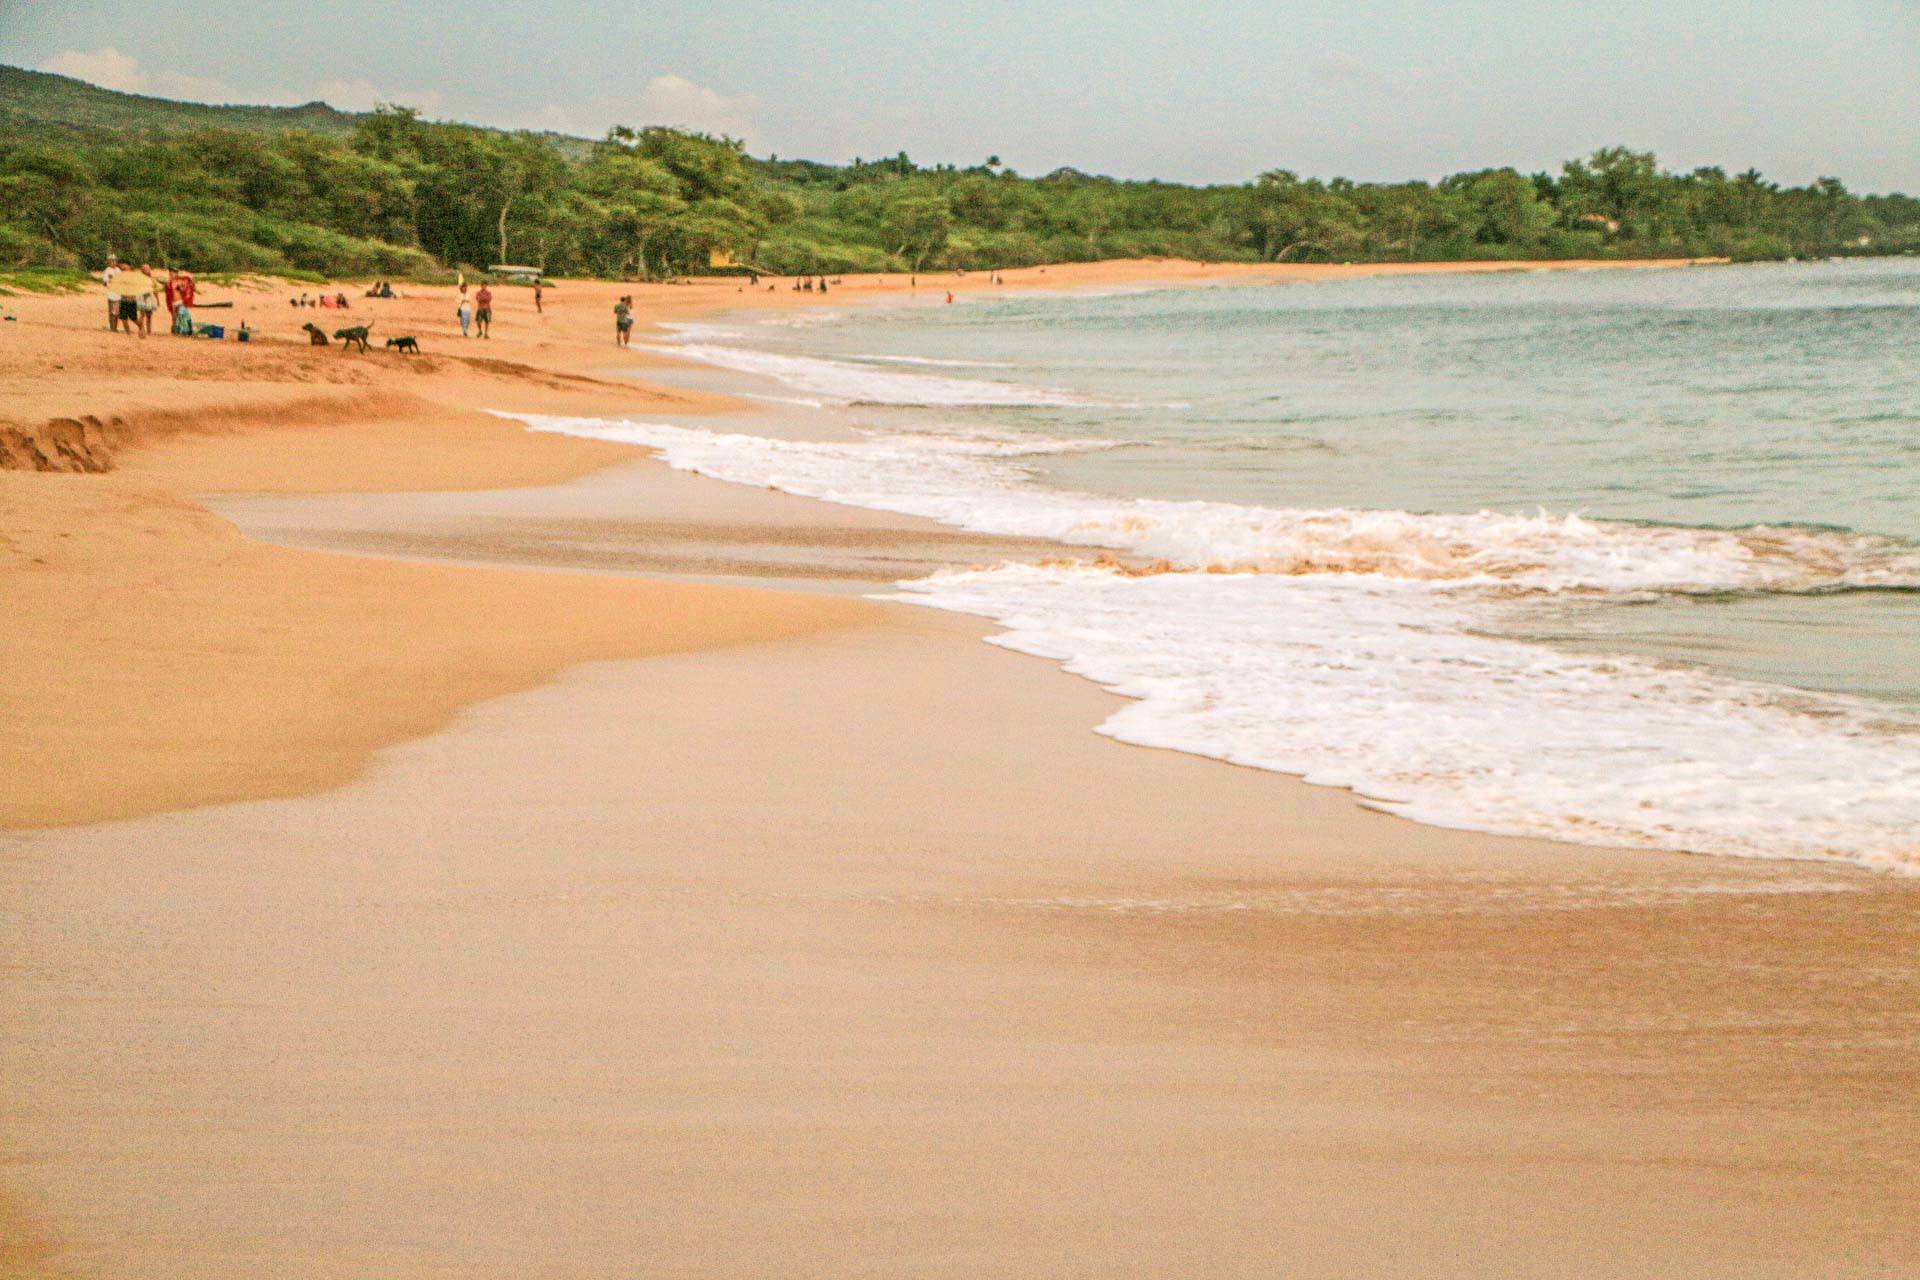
(353, 335)
(315, 338)
(405, 346)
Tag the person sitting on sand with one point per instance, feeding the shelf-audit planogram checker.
(623, 321)
(326, 302)
(483, 310)
(340, 301)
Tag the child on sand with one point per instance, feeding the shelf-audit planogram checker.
(180, 291)
(623, 320)
(483, 310)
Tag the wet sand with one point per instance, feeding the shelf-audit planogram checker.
(858, 955)
(826, 940)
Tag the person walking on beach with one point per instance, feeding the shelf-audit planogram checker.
(139, 300)
(110, 278)
(465, 313)
(623, 321)
(483, 310)
(538, 294)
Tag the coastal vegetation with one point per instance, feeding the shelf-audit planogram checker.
(85, 171)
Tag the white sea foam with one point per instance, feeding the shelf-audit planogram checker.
(932, 362)
(975, 482)
(1348, 646)
(854, 381)
(1361, 683)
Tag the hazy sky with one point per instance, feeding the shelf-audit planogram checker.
(1205, 90)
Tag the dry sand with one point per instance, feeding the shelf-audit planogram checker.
(824, 941)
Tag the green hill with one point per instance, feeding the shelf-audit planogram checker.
(40, 104)
(85, 171)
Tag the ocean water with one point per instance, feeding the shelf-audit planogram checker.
(1622, 557)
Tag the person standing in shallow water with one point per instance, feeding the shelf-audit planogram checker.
(623, 320)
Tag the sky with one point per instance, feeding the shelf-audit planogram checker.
(1195, 91)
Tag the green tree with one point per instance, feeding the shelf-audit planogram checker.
(917, 228)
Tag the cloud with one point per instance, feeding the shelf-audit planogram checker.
(364, 95)
(111, 69)
(108, 68)
(671, 100)
(678, 101)
(588, 119)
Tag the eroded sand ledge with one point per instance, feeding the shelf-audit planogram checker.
(847, 953)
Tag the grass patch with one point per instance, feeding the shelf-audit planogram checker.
(15, 280)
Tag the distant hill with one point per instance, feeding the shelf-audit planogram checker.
(44, 105)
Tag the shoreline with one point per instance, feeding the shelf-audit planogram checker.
(829, 932)
(160, 422)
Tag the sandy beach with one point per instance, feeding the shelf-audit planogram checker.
(519, 859)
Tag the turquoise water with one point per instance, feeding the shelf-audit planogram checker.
(1780, 394)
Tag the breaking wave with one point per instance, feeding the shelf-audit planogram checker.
(1350, 646)
(855, 381)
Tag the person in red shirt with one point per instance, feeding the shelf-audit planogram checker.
(483, 310)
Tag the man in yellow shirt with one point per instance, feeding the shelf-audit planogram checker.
(139, 299)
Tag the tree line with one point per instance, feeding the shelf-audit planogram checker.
(405, 197)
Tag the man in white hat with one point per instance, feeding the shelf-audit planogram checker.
(113, 291)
